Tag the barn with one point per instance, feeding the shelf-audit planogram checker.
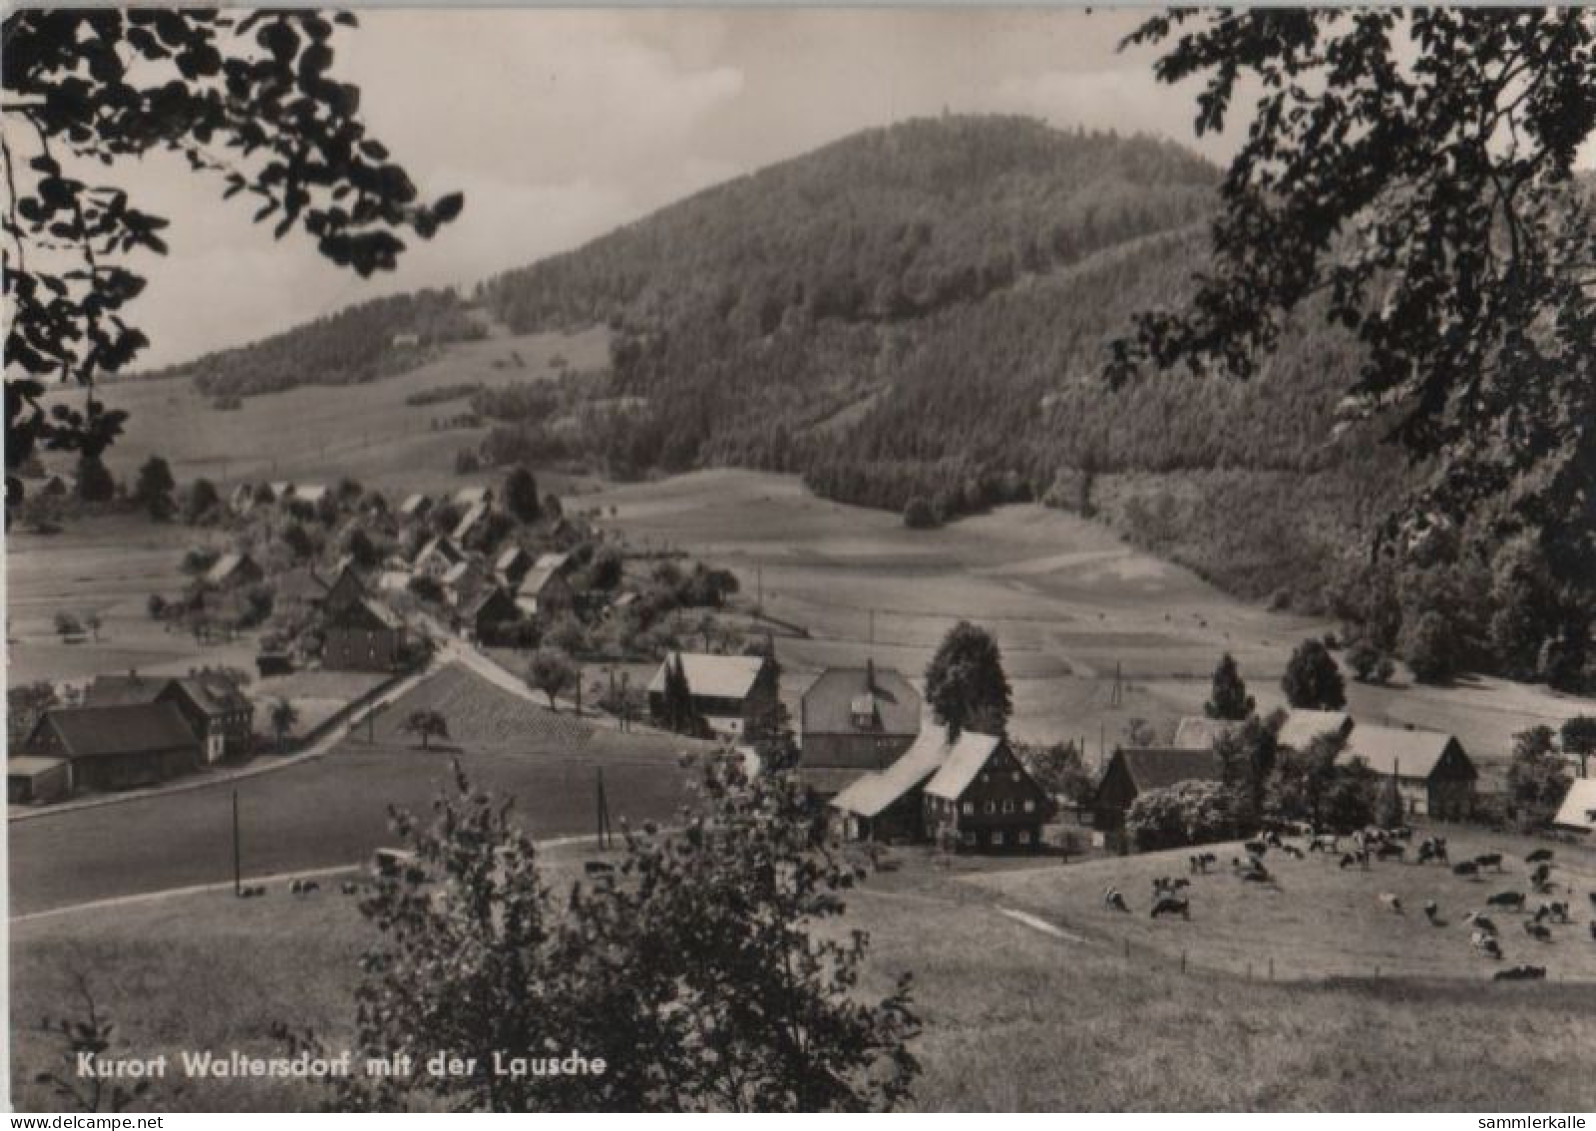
(120, 747)
(1132, 771)
(1196, 732)
(889, 805)
(233, 569)
(1302, 726)
(1433, 774)
(363, 636)
(854, 721)
(218, 713)
(495, 612)
(735, 695)
(544, 591)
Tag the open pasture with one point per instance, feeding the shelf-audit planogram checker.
(334, 810)
(1319, 920)
(1013, 1019)
(325, 432)
(1069, 602)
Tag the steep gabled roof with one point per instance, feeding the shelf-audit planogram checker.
(1159, 767)
(963, 761)
(873, 793)
(508, 557)
(1578, 810)
(1406, 753)
(469, 520)
(226, 565)
(717, 677)
(1302, 726)
(536, 580)
(124, 690)
(414, 504)
(139, 728)
(1198, 733)
(828, 707)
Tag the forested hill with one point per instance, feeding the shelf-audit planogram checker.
(919, 312)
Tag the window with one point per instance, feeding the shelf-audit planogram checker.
(969, 838)
(989, 807)
(1016, 776)
(1030, 806)
(986, 777)
(967, 807)
(1008, 806)
(1026, 837)
(997, 839)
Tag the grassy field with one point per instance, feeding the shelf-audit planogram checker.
(1015, 1019)
(1318, 921)
(1069, 602)
(334, 810)
(324, 432)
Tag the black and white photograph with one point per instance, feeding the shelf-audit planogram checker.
(775, 559)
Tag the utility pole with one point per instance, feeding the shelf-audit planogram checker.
(759, 590)
(604, 836)
(238, 874)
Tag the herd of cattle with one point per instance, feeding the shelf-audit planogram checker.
(1171, 894)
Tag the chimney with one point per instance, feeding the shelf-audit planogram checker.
(870, 675)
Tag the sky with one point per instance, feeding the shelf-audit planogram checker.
(560, 125)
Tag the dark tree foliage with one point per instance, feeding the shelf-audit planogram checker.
(1537, 777)
(1579, 740)
(1408, 176)
(154, 487)
(676, 713)
(965, 683)
(1229, 698)
(521, 495)
(1249, 755)
(201, 501)
(246, 98)
(1312, 679)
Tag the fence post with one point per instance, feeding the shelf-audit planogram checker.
(1183, 962)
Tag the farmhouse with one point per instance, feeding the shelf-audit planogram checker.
(1195, 732)
(890, 805)
(735, 695)
(415, 506)
(512, 564)
(1434, 776)
(984, 798)
(854, 721)
(233, 569)
(469, 521)
(363, 636)
(220, 715)
(434, 559)
(36, 781)
(1578, 811)
(1302, 726)
(544, 591)
(117, 747)
(1132, 771)
(493, 612)
(242, 499)
(471, 496)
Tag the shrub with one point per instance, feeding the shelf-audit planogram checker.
(919, 514)
(1192, 812)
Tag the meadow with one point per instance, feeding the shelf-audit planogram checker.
(1014, 1018)
(333, 810)
(1070, 603)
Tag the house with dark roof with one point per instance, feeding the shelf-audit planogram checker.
(1434, 775)
(735, 695)
(218, 713)
(493, 613)
(512, 564)
(363, 636)
(436, 557)
(1132, 771)
(122, 747)
(854, 721)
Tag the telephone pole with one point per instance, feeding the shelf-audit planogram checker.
(238, 873)
(604, 836)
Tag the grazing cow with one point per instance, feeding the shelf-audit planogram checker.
(1486, 944)
(1402, 832)
(1480, 922)
(1541, 878)
(1389, 851)
(1255, 847)
(1391, 901)
(349, 887)
(1257, 876)
(1114, 901)
(303, 887)
(1272, 839)
(1432, 912)
(1325, 842)
(1171, 905)
(1466, 868)
(1348, 859)
(1489, 860)
(1513, 900)
(598, 868)
(1558, 910)
(1539, 856)
(1292, 851)
(1520, 974)
(1537, 930)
